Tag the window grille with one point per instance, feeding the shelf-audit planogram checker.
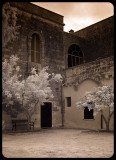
(75, 55)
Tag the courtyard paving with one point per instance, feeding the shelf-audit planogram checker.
(58, 143)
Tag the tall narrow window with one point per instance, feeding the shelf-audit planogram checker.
(68, 101)
(35, 49)
(75, 55)
(88, 114)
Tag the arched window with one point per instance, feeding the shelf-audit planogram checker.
(75, 55)
(35, 48)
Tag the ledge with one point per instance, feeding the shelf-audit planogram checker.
(88, 119)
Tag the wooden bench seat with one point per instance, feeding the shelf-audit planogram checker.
(21, 122)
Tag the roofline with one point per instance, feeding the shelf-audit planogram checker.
(46, 9)
(54, 17)
(95, 23)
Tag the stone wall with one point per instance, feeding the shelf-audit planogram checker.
(96, 70)
(44, 14)
(95, 41)
(81, 79)
(51, 36)
(99, 39)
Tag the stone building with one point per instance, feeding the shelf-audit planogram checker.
(84, 58)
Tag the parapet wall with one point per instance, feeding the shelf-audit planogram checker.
(96, 70)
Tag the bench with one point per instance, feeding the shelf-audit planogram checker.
(22, 122)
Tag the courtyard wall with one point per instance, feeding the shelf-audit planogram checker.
(81, 79)
(96, 43)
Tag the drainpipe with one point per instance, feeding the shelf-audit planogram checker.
(27, 61)
(101, 121)
(62, 106)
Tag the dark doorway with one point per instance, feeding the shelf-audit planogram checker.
(46, 115)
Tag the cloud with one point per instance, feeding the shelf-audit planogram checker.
(79, 14)
(77, 23)
(62, 8)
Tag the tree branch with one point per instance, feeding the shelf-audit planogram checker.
(104, 118)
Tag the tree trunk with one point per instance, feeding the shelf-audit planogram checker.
(107, 122)
(107, 126)
(28, 118)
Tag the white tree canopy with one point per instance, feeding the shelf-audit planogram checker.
(99, 99)
(29, 91)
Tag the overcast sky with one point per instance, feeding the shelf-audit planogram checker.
(78, 15)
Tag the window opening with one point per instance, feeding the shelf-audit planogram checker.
(68, 101)
(88, 114)
(75, 55)
(35, 49)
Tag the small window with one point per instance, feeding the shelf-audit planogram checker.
(68, 101)
(88, 114)
(35, 49)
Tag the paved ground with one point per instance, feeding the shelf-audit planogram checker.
(58, 143)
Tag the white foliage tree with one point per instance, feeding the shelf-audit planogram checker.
(97, 100)
(28, 92)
